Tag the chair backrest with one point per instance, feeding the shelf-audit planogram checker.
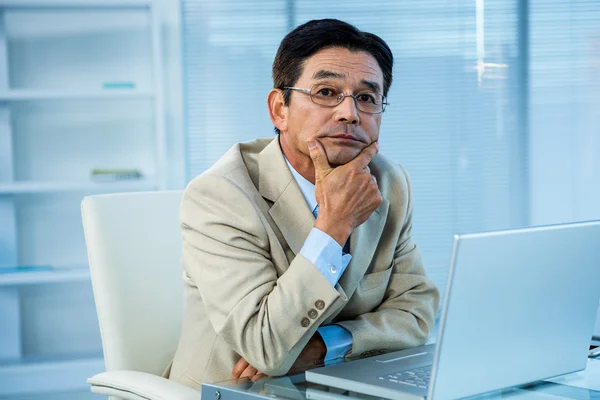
(134, 249)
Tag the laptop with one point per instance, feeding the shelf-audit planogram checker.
(520, 306)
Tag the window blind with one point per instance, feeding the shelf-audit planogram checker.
(452, 122)
(228, 49)
(565, 110)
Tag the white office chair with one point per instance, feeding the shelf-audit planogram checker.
(134, 249)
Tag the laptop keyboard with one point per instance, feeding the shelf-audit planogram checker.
(418, 377)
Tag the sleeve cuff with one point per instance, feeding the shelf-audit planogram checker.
(338, 342)
(326, 255)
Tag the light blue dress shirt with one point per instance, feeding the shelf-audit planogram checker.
(327, 256)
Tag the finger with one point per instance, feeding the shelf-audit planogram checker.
(258, 376)
(249, 372)
(374, 179)
(362, 160)
(319, 158)
(239, 367)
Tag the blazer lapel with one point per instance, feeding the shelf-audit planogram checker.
(294, 219)
(363, 243)
(289, 211)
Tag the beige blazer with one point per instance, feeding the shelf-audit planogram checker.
(248, 291)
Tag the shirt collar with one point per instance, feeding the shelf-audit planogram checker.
(307, 188)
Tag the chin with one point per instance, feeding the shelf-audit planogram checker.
(337, 157)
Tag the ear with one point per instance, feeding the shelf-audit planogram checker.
(278, 111)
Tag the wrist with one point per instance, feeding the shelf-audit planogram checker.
(340, 232)
(320, 348)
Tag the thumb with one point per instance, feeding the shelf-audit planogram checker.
(319, 158)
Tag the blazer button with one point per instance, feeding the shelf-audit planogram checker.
(320, 304)
(305, 322)
(313, 313)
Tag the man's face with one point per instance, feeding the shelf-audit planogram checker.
(342, 130)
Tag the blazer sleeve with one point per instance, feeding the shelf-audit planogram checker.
(405, 317)
(260, 310)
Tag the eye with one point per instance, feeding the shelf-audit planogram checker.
(367, 98)
(326, 92)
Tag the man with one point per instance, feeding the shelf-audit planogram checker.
(269, 287)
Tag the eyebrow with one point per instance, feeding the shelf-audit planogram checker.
(371, 85)
(325, 74)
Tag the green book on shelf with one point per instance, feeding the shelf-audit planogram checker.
(118, 85)
(109, 175)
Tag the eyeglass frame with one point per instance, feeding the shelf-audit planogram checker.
(341, 97)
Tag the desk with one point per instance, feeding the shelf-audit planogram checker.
(583, 385)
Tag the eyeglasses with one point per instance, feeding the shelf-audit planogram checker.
(331, 96)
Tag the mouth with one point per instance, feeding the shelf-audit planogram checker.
(345, 136)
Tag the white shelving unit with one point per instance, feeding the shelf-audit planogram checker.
(63, 113)
(44, 374)
(57, 186)
(57, 275)
(113, 94)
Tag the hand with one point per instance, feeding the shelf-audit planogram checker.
(313, 353)
(347, 195)
(243, 369)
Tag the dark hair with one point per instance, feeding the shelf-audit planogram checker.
(313, 36)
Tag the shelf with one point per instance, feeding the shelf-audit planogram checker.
(56, 275)
(107, 94)
(57, 186)
(75, 4)
(39, 374)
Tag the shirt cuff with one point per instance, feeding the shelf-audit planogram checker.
(325, 254)
(338, 342)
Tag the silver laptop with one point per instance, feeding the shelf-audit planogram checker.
(520, 306)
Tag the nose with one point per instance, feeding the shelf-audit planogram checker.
(347, 112)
